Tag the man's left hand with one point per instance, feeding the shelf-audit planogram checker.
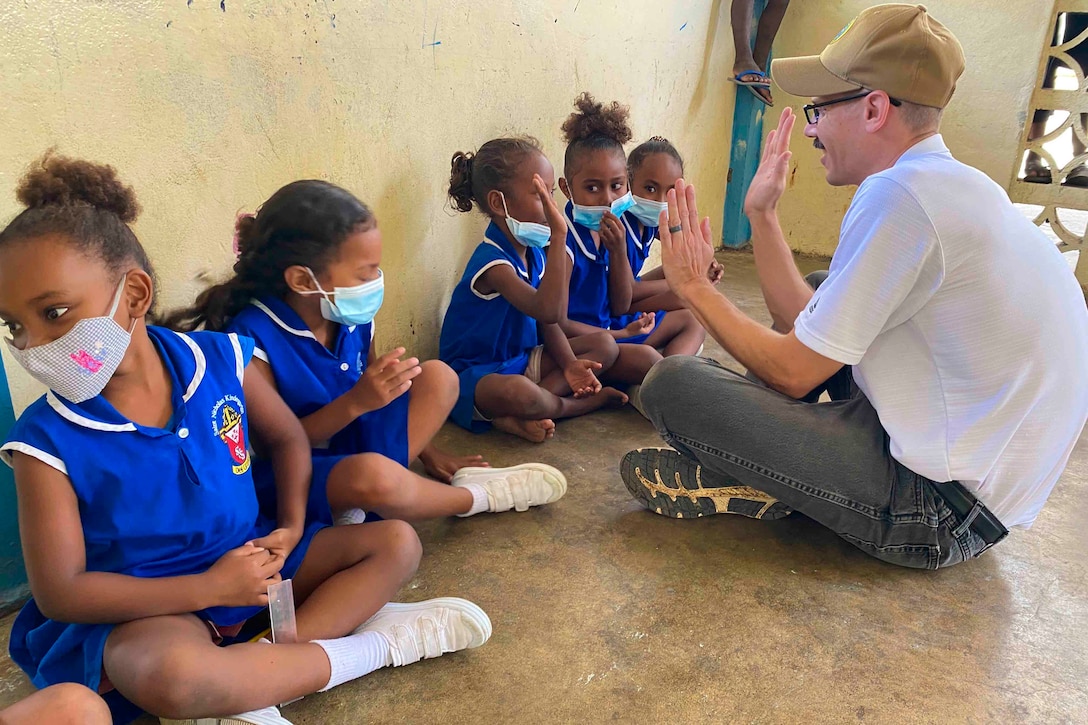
(687, 253)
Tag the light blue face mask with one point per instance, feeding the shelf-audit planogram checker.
(530, 234)
(590, 216)
(648, 211)
(354, 305)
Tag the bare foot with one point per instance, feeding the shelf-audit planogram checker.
(441, 465)
(534, 431)
(613, 398)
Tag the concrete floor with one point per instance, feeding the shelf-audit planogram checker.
(605, 612)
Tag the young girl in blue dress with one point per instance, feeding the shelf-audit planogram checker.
(143, 541)
(602, 282)
(653, 168)
(306, 288)
(517, 369)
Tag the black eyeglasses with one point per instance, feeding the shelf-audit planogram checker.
(812, 111)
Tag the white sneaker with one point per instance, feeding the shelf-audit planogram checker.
(264, 716)
(516, 487)
(432, 628)
(351, 516)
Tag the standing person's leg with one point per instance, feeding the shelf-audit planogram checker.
(769, 23)
(745, 69)
(829, 461)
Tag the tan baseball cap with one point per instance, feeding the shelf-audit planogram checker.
(896, 48)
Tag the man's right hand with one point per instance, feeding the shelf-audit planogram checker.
(770, 180)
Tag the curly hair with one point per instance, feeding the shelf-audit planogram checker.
(592, 127)
(85, 203)
(493, 166)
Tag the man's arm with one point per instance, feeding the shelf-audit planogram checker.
(784, 289)
(780, 360)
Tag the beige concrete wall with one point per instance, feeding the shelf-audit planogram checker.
(207, 111)
(1002, 40)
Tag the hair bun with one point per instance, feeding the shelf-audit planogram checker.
(593, 118)
(63, 181)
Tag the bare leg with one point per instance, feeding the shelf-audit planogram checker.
(523, 408)
(769, 23)
(65, 704)
(599, 347)
(372, 482)
(170, 667)
(632, 364)
(679, 333)
(740, 15)
(434, 393)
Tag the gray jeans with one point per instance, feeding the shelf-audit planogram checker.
(828, 461)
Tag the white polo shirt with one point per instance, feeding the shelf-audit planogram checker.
(965, 328)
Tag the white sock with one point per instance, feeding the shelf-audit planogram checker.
(479, 499)
(356, 655)
(351, 516)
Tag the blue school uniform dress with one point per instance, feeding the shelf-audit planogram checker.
(154, 502)
(588, 300)
(640, 240)
(309, 376)
(485, 334)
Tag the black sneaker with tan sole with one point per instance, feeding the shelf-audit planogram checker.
(669, 484)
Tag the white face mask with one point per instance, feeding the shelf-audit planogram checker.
(79, 363)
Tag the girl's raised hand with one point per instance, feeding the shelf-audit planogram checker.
(385, 381)
(612, 234)
(556, 222)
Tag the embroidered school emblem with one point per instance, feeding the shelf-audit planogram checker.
(227, 424)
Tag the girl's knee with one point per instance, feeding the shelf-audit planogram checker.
(167, 684)
(364, 479)
(401, 543)
(605, 348)
(440, 379)
(69, 703)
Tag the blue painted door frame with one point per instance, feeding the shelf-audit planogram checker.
(13, 586)
(744, 155)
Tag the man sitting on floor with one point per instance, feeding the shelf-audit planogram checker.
(949, 332)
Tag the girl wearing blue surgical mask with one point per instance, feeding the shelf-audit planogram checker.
(306, 288)
(653, 167)
(518, 372)
(602, 282)
(145, 546)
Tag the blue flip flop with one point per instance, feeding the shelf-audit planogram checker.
(753, 85)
